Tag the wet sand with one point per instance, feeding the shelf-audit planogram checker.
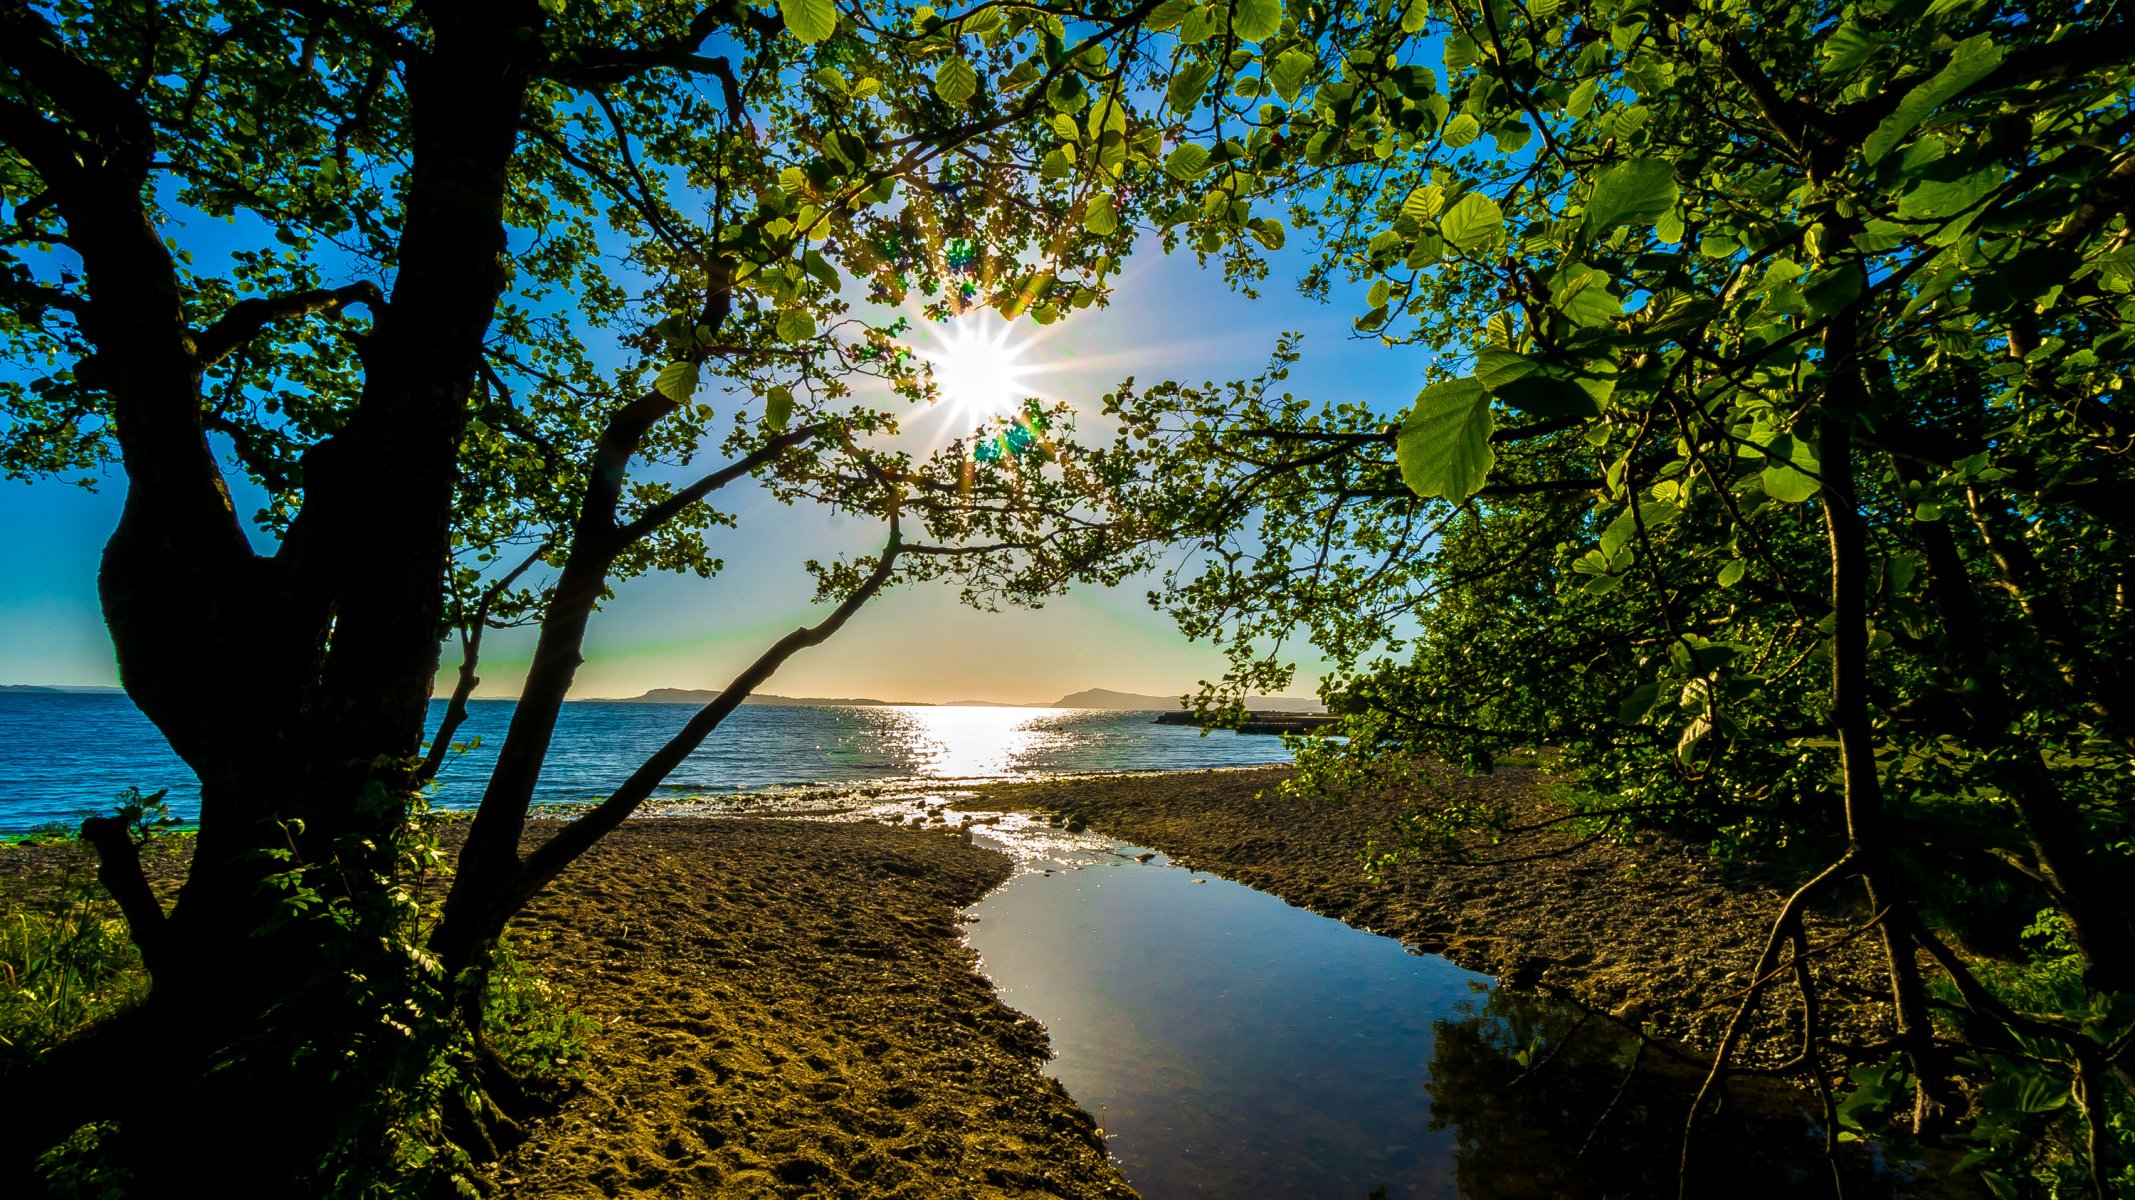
(787, 1008)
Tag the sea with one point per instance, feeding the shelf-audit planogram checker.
(69, 755)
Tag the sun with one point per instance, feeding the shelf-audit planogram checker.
(979, 367)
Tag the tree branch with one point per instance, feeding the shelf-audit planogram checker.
(667, 510)
(545, 863)
(470, 655)
(119, 870)
(244, 319)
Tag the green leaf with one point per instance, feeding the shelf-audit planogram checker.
(1187, 163)
(1969, 63)
(1256, 20)
(1057, 165)
(1415, 16)
(955, 81)
(1638, 703)
(1473, 221)
(795, 325)
(1106, 116)
(677, 381)
(1168, 14)
(1496, 368)
(1461, 130)
(1731, 574)
(1424, 203)
(1582, 294)
(1099, 218)
(1581, 101)
(1847, 49)
(778, 409)
(1287, 74)
(1782, 481)
(1188, 84)
(809, 20)
(820, 270)
(1267, 231)
(1460, 52)
(1545, 394)
(1444, 444)
(1831, 290)
(1630, 193)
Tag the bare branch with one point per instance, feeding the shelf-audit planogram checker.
(470, 655)
(246, 318)
(558, 852)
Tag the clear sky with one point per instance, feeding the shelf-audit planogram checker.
(1169, 319)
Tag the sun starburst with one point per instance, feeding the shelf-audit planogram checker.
(979, 366)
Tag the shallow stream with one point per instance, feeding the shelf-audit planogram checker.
(1232, 1045)
(1229, 1044)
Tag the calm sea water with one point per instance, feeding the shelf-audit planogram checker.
(64, 756)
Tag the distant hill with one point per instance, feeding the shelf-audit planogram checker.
(68, 688)
(701, 697)
(1106, 698)
(1093, 698)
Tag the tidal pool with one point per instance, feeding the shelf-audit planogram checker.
(1228, 1043)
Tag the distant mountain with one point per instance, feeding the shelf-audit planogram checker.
(1093, 698)
(701, 697)
(1106, 698)
(69, 688)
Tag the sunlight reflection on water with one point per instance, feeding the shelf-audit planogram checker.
(970, 743)
(63, 755)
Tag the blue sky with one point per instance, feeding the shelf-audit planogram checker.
(1169, 318)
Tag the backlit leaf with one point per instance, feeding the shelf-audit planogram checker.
(955, 81)
(809, 20)
(795, 325)
(677, 381)
(1969, 63)
(1630, 193)
(1444, 444)
(1256, 20)
(1473, 221)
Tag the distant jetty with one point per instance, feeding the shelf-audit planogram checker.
(1260, 722)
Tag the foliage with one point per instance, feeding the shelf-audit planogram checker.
(530, 1022)
(1776, 465)
(67, 963)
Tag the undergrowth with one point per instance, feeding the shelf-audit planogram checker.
(66, 962)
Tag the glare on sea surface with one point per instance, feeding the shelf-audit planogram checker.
(979, 365)
(951, 742)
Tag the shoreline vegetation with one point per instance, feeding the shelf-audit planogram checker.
(787, 1008)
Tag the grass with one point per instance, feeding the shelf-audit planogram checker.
(66, 962)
